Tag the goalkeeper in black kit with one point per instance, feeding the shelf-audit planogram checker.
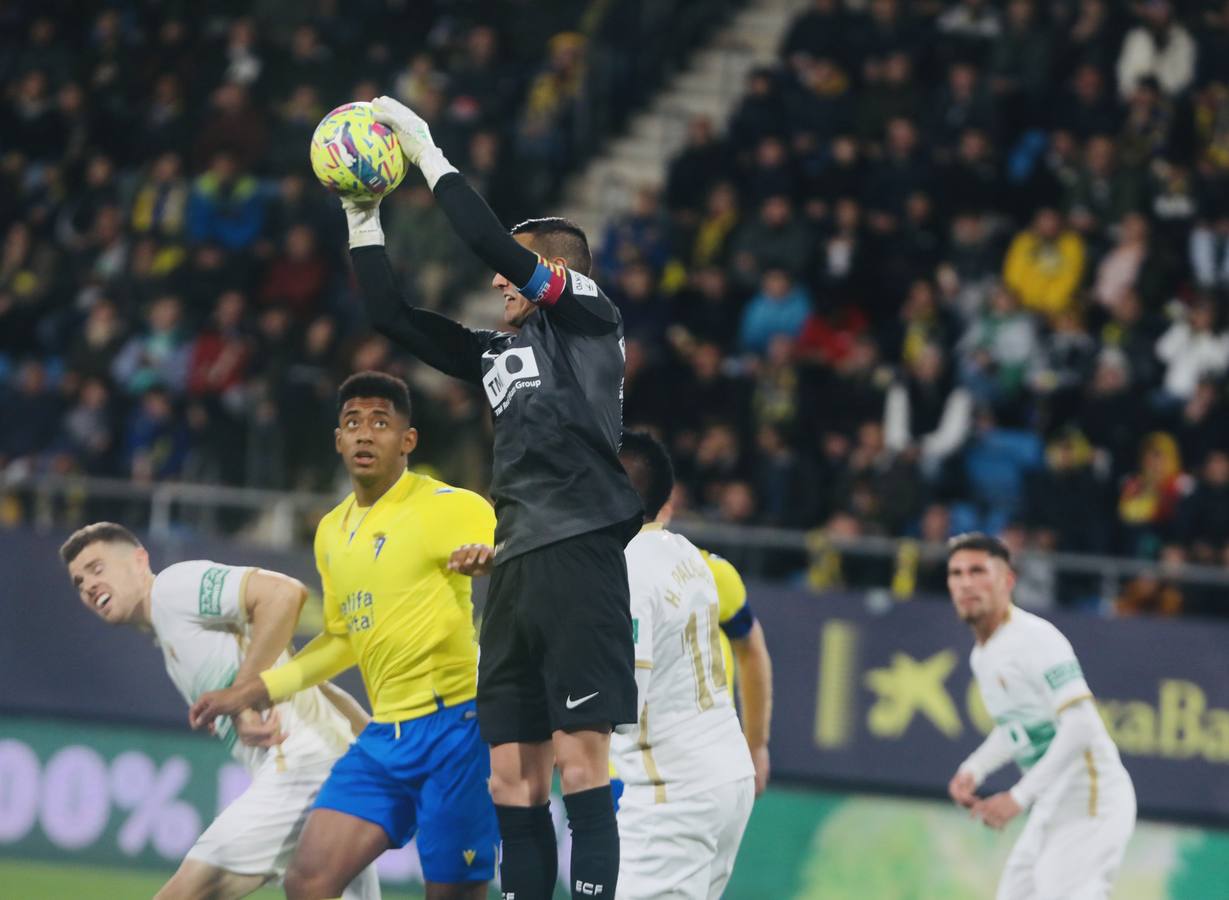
(556, 668)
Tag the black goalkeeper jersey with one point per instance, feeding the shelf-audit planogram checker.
(555, 390)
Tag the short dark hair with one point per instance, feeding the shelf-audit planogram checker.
(648, 465)
(976, 540)
(98, 533)
(556, 236)
(375, 384)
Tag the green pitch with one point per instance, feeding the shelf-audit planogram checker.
(47, 881)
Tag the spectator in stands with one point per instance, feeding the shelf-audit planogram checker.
(963, 103)
(819, 32)
(1195, 346)
(711, 241)
(646, 312)
(1203, 514)
(692, 173)
(1201, 426)
(30, 417)
(1087, 108)
(226, 205)
(1148, 503)
(1147, 131)
(997, 464)
(927, 411)
(217, 366)
(639, 235)
(159, 356)
(159, 206)
(779, 309)
(1045, 264)
(1159, 47)
(1062, 366)
(968, 29)
(235, 127)
(298, 276)
(997, 350)
(1130, 266)
(760, 113)
(775, 239)
(88, 433)
(1103, 193)
(1066, 499)
(156, 442)
(27, 282)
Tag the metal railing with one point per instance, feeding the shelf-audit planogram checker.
(280, 519)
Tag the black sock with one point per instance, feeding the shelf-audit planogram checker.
(595, 843)
(529, 857)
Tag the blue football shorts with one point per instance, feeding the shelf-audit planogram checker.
(425, 776)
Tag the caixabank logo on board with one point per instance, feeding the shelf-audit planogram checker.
(1175, 721)
(886, 698)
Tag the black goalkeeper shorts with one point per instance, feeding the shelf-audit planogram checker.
(556, 641)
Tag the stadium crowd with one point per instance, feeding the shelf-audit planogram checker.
(950, 265)
(953, 266)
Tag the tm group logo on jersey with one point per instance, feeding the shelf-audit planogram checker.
(510, 371)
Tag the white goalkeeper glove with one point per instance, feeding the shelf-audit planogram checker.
(363, 220)
(415, 138)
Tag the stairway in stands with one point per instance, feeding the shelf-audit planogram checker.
(711, 85)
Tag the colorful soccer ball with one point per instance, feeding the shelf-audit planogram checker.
(354, 155)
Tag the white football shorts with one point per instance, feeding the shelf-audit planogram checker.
(683, 849)
(1071, 853)
(257, 833)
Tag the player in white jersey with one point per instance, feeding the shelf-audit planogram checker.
(217, 624)
(689, 780)
(1082, 799)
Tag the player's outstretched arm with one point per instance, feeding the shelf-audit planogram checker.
(542, 283)
(325, 656)
(471, 218)
(437, 340)
(993, 753)
(755, 698)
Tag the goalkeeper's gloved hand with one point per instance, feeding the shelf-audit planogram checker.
(415, 138)
(363, 219)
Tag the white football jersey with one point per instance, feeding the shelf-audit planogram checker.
(1027, 674)
(688, 738)
(201, 625)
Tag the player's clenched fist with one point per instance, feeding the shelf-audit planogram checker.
(998, 810)
(227, 702)
(472, 560)
(962, 788)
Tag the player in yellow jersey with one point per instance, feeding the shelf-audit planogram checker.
(395, 605)
(745, 655)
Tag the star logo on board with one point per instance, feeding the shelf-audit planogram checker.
(908, 688)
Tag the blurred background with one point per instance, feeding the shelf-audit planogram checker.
(889, 271)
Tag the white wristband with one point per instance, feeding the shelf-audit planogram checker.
(434, 166)
(364, 222)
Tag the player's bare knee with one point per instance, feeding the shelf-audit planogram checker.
(303, 883)
(583, 759)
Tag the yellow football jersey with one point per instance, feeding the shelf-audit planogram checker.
(731, 598)
(388, 591)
